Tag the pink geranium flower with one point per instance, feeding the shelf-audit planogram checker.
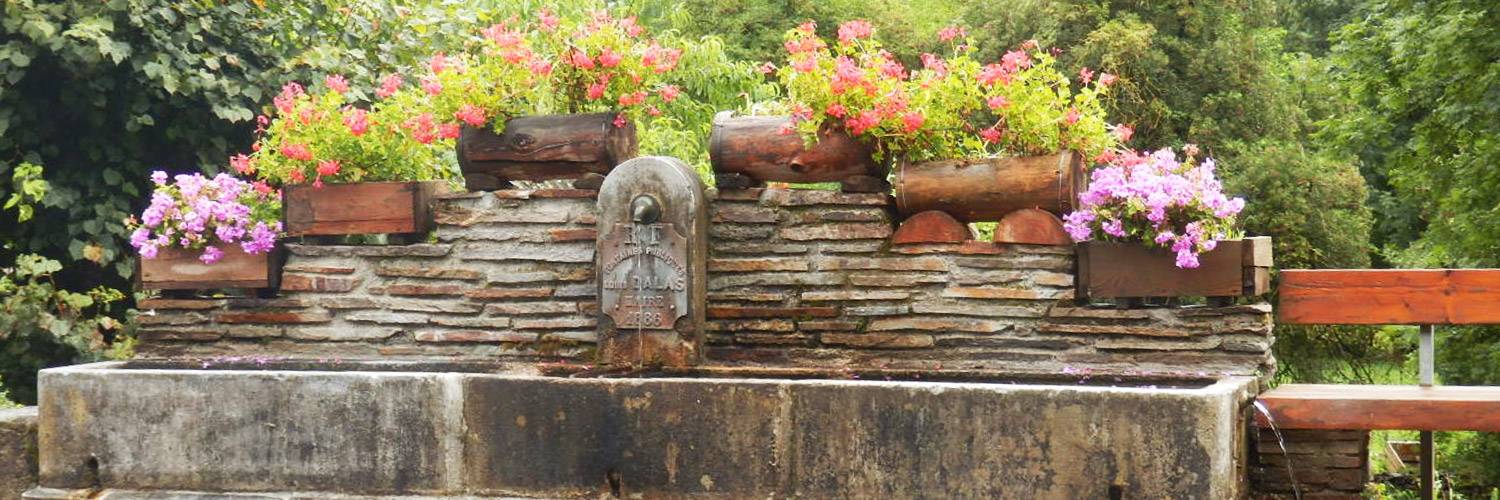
(855, 30)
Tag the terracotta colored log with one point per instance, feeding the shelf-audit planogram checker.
(930, 227)
(359, 208)
(1130, 270)
(1390, 296)
(982, 190)
(1030, 226)
(1372, 407)
(180, 269)
(538, 148)
(754, 147)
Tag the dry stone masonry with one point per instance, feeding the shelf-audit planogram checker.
(1326, 465)
(795, 278)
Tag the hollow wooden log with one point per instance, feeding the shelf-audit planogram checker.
(539, 148)
(755, 147)
(987, 189)
(1030, 226)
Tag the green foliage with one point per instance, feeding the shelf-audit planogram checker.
(27, 189)
(711, 81)
(755, 28)
(34, 311)
(1312, 202)
(101, 92)
(1429, 120)
(5, 402)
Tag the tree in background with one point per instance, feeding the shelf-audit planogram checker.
(1425, 87)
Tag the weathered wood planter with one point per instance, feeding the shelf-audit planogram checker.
(539, 148)
(1114, 270)
(752, 150)
(180, 269)
(986, 189)
(359, 208)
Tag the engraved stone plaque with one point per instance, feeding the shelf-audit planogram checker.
(651, 261)
(643, 269)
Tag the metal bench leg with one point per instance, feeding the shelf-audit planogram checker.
(1424, 376)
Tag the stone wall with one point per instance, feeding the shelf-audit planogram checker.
(797, 278)
(18, 466)
(508, 276)
(807, 278)
(1327, 465)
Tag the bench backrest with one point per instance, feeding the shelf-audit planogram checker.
(1390, 296)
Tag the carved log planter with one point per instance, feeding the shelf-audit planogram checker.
(983, 190)
(359, 208)
(180, 269)
(752, 150)
(539, 148)
(1115, 270)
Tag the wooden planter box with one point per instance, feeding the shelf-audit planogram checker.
(180, 269)
(539, 148)
(1110, 270)
(359, 208)
(752, 150)
(987, 189)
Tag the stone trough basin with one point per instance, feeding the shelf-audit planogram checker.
(308, 430)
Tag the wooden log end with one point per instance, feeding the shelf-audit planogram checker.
(1030, 226)
(589, 182)
(932, 226)
(864, 184)
(1257, 281)
(734, 181)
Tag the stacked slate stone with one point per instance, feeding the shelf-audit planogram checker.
(796, 278)
(808, 278)
(510, 276)
(1328, 464)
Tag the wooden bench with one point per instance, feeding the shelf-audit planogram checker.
(1425, 297)
(1383, 407)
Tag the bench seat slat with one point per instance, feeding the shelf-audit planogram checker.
(1383, 407)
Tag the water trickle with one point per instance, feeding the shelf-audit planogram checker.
(1290, 475)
